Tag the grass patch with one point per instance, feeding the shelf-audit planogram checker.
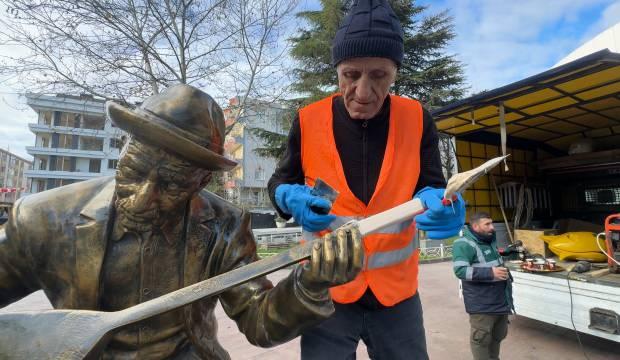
(262, 253)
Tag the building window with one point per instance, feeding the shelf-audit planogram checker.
(55, 140)
(66, 163)
(59, 163)
(94, 166)
(116, 143)
(52, 184)
(66, 120)
(42, 164)
(46, 117)
(57, 115)
(77, 120)
(64, 182)
(91, 143)
(112, 164)
(93, 122)
(65, 141)
(259, 173)
(38, 186)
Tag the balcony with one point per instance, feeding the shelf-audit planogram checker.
(46, 174)
(66, 103)
(42, 128)
(91, 154)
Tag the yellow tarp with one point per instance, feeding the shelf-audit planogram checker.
(576, 246)
(581, 97)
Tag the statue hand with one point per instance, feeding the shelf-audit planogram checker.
(336, 259)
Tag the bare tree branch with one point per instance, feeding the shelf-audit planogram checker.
(129, 48)
(262, 66)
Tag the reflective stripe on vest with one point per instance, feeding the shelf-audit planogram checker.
(377, 259)
(388, 258)
(482, 262)
(469, 273)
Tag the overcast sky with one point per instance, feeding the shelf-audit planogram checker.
(498, 41)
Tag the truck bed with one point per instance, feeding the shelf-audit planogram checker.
(546, 297)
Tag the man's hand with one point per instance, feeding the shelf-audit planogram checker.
(297, 200)
(500, 273)
(336, 259)
(438, 220)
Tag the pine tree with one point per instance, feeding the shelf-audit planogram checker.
(312, 50)
(427, 72)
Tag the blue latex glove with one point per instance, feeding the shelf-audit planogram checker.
(296, 200)
(440, 221)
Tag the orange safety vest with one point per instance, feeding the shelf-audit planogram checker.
(391, 256)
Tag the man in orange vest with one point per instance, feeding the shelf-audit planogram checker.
(378, 151)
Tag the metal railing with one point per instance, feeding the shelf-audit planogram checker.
(266, 249)
(432, 253)
(436, 252)
(276, 239)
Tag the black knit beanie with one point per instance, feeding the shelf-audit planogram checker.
(370, 29)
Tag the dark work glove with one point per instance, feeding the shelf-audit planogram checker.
(296, 200)
(440, 221)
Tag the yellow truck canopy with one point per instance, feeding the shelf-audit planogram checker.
(551, 110)
(543, 114)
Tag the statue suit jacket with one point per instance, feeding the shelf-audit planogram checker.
(56, 241)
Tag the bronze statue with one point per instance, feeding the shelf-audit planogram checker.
(110, 243)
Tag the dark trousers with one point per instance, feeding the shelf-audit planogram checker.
(487, 332)
(390, 333)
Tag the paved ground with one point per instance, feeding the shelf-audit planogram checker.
(446, 323)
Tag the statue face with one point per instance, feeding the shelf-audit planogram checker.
(153, 187)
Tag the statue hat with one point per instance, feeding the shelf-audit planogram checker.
(182, 120)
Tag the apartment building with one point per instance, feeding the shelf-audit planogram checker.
(246, 185)
(75, 141)
(13, 182)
